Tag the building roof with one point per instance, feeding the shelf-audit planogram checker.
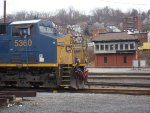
(123, 36)
(25, 22)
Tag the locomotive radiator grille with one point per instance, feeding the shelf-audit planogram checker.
(16, 58)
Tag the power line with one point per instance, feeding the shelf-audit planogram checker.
(121, 2)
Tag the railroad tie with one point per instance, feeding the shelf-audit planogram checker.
(4, 101)
(20, 93)
(10, 97)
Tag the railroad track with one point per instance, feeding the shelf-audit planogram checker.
(106, 90)
(92, 76)
(92, 89)
(11, 97)
(135, 83)
(131, 77)
(117, 90)
(119, 80)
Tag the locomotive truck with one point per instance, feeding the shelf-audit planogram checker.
(34, 54)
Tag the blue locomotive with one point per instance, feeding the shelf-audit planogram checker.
(34, 54)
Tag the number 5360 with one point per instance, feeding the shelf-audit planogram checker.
(23, 42)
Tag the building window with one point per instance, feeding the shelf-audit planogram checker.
(97, 47)
(121, 46)
(124, 59)
(101, 47)
(106, 47)
(116, 46)
(131, 45)
(126, 47)
(111, 47)
(105, 59)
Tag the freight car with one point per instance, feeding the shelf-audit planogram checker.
(34, 54)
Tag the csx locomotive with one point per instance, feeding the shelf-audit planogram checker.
(34, 54)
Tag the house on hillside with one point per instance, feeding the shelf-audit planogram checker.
(77, 28)
(97, 28)
(132, 23)
(112, 29)
(142, 37)
(115, 49)
(144, 48)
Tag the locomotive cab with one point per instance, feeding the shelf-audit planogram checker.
(31, 40)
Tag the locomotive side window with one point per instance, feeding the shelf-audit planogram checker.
(20, 30)
(15, 31)
(2, 28)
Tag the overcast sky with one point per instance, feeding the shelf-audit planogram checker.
(82, 5)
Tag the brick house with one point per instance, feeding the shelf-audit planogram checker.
(115, 49)
(97, 28)
(144, 47)
(142, 37)
(132, 23)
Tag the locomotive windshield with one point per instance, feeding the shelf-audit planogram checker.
(47, 27)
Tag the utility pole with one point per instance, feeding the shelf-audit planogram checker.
(4, 11)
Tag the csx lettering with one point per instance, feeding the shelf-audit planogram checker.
(23, 42)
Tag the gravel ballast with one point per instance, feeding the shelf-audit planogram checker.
(81, 103)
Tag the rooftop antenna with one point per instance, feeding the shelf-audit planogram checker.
(4, 11)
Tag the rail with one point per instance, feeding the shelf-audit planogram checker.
(122, 80)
